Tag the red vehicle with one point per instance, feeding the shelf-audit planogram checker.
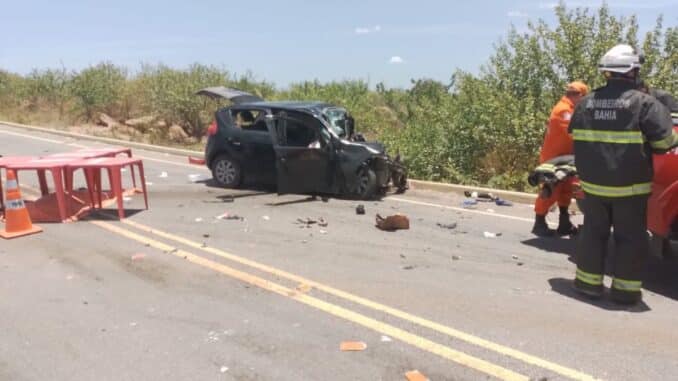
(662, 214)
(662, 211)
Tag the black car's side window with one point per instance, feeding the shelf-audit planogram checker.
(249, 120)
(299, 134)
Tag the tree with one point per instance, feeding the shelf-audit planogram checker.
(98, 88)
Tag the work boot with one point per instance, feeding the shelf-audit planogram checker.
(541, 228)
(591, 291)
(565, 226)
(625, 297)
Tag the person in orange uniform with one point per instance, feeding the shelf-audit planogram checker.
(558, 142)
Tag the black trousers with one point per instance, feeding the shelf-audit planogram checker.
(627, 216)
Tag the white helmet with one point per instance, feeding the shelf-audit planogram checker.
(620, 59)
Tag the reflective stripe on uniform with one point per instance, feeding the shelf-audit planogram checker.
(548, 167)
(626, 191)
(15, 204)
(667, 142)
(615, 137)
(11, 184)
(588, 278)
(626, 285)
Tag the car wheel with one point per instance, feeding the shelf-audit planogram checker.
(660, 247)
(367, 184)
(226, 172)
(400, 182)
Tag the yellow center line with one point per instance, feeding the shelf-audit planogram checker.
(335, 310)
(486, 344)
(562, 370)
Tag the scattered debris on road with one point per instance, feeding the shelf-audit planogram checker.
(385, 339)
(163, 175)
(501, 202)
(515, 257)
(349, 346)
(491, 235)
(138, 256)
(229, 216)
(205, 236)
(223, 369)
(469, 203)
(480, 196)
(392, 223)
(127, 199)
(323, 231)
(307, 222)
(415, 375)
(198, 219)
(409, 267)
(451, 226)
(360, 209)
(266, 218)
(196, 177)
(456, 257)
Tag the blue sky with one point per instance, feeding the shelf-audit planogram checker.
(281, 41)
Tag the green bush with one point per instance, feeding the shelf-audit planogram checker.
(51, 87)
(170, 93)
(98, 89)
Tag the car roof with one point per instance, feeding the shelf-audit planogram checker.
(289, 105)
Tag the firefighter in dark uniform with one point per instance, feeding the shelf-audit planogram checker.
(616, 129)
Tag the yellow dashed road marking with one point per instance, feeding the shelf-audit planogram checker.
(332, 309)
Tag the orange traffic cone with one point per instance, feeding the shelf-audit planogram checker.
(17, 220)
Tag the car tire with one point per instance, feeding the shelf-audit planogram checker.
(226, 172)
(660, 247)
(400, 183)
(367, 184)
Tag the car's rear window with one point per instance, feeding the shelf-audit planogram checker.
(250, 120)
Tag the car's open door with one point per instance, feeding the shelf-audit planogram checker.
(303, 154)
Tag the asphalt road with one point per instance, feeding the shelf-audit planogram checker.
(174, 293)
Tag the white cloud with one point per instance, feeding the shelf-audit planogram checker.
(396, 60)
(516, 14)
(367, 29)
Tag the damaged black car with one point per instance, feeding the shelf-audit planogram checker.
(302, 147)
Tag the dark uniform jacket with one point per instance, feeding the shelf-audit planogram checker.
(616, 128)
(666, 99)
(669, 101)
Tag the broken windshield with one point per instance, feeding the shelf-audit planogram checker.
(336, 119)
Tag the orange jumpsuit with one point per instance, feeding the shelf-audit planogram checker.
(557, 142)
